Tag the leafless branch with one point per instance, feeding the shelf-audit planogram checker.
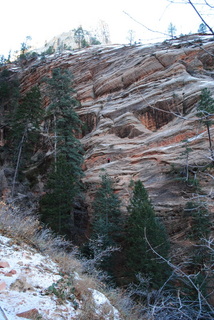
(209, 5)
(184, 276)
(154, 31)
(193, 5)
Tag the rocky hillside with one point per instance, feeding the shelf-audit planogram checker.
(41, 279)
(139, 104)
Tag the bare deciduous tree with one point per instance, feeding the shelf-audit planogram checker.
(176, 303)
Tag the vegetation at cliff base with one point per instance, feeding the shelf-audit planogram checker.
(141, 222)
(65, 173)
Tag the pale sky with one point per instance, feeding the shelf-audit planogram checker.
(43, 19)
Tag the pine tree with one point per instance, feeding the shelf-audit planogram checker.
(79, 37)
(200, 220)
(202, 28)
(106, 213)
(107, 225)
(63, 185)
(9, 93)
(140, 259)
(25, 128)
(65, 121)
(56, 205)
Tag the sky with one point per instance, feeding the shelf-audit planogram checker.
(44, 19)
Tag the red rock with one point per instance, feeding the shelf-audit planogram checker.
(29, 314)
(10, 273)
(4, 264)
(2, 285)
(13, 271)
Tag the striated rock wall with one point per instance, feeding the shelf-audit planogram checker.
(139, 105)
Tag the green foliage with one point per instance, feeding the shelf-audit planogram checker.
(205, 106)
(185, 174)
(56, 204)
(141, 220)
(65, 121)
(106, 226)
(106, 213)
(26, 121)
(171, 30)
(9, 91)
(49, 51)
(28, 114)
(202, 28)
(64, 178)
(2, 60)
(79, 37)
(24, 48)
(63, 289)
(94, 41)
(25, 129)
(200, 221)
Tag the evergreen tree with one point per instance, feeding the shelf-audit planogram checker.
(171, 30)
(25, 128)
(28, 115)
(140, 259)
(9, 93)
(106, 225)
(79, 37)
(205, 110)
(200, 220)
(65, 122)
(64, 179)
(56, 205)
(106, 213)
(202, 28)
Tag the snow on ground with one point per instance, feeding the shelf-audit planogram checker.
(26, 279)
(101, 300)
(25, 288)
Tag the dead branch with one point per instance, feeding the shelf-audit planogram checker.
(184, 277)
(154, 31)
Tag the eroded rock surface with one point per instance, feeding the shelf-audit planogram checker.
(139, 104)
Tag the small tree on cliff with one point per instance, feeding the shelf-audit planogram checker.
(64, 179)
(79, 37)
(140, 259)
(171, 30)
(205, 110)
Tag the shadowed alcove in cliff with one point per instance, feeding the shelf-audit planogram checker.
(153, 118)
(89, 123)
(126, 131)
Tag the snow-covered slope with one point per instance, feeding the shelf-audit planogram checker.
(32, 287)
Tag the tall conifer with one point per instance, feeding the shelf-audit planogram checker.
(106, 213)
(107, 224)
(64, 178)
(26, 128)
(140, 258)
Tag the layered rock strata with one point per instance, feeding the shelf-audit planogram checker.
(139, 105)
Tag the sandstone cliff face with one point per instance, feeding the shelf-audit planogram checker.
(139, 105)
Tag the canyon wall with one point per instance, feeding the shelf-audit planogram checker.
(139, 105)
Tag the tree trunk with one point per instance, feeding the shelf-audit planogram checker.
(210, 142)
(18, 161)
